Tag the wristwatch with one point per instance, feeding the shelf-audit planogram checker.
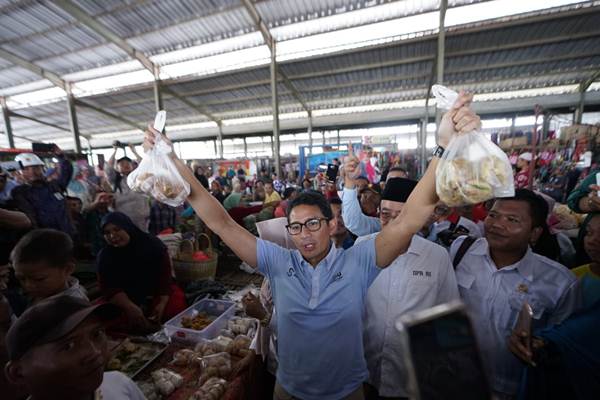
(438, 152)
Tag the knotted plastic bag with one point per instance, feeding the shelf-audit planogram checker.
(472, 169)
(158, 177)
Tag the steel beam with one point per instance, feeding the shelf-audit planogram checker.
(80, 15)
(245, 148)
(21, 62)
(109, 114)
(7, 125)
(72, 112)
(310, 130)
(39, 121)
(158, 99)
(270, 42)
(275, 100)
(219, 145)
(441, 47)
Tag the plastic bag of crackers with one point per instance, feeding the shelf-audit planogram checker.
(158, 177)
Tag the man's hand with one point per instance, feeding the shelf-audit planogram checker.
(351, 168)
(253, 306)
(458, 120)
(150, 140)
(517, 344)
(135, 316)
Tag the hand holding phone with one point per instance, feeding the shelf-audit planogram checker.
(332, 172)
(520, 339)
(160, 120)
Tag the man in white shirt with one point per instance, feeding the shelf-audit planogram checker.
(418, 279)
(58, 350)
(498, 273)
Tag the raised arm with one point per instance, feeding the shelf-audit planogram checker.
(395, 238)
(135, 153)
(354, 219)
(208, 208)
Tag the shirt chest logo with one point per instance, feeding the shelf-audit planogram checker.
(421, 273)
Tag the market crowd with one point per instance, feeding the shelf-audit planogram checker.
(367, 247)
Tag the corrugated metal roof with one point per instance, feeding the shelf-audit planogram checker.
(537, 52)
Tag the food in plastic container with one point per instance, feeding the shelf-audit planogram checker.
(213, 389)
(197, 322)
(472, 169)
(216, 365)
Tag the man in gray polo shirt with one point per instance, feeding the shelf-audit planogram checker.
(318, 290)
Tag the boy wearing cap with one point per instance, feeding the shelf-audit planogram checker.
(58, 349)
(522, 177)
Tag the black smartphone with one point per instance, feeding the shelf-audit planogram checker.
(42, 147)
(442, 355)
(332, 172)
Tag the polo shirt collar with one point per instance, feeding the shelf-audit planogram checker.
(524, 266)
(327, 261)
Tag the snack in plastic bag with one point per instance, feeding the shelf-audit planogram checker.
(472, 169)
(213, 389)
(158, 177)
(185, 357)
(216, 365)
(214, 346)
(239, 346)
(166, 381)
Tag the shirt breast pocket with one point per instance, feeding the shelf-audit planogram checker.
(516, 302)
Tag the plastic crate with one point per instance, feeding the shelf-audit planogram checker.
(221, 309)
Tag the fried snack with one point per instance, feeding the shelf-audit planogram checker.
(461, 181)
(216, 365)
(166, 381)
(213, 389)
(210, 347)
(185, 357)
(197, 322)
(239, 346)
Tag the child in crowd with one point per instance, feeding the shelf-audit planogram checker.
(43, 261)
(58, 350)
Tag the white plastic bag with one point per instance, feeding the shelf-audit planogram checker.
(158, 177)
(472, 169)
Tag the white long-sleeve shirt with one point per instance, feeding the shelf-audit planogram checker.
(418, 279)
(354, 219)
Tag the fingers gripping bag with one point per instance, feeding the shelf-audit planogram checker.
(472, 169)
(158, 177)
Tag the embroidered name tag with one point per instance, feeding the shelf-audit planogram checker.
(422, 273)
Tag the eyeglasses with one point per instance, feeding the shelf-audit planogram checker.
(312, 225)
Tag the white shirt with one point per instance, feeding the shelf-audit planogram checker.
(117, 386)
(494, 298)
(421, 278)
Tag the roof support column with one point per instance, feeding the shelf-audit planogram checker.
(422, 143)
(441, 50)
(310, 128)
(73, 124)
(158, 100)
(275, 101)
(245, 148)
(219, 145)
(7, 125)
(580, 107)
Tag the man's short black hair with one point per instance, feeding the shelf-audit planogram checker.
(48, 246)
(311, 198)
(538, 208)
(288, 192)
(125, 158)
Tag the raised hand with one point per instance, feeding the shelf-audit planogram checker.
(458, 120)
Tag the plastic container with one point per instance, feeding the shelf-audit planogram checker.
(221, 309)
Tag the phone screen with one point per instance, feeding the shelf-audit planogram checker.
(332, 172)
(446, 359)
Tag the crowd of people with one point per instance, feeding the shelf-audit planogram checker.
(363, 253)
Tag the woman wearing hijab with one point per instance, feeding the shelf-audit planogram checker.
(134, 272)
